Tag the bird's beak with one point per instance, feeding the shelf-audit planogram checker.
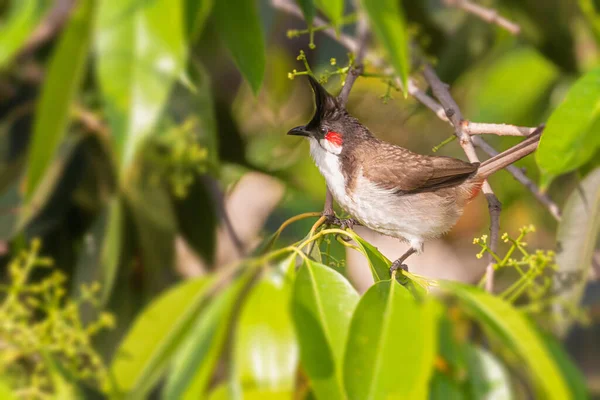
(299, 131)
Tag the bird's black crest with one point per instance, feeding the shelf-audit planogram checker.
(327, 106)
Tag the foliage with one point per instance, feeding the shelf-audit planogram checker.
(42, 328)
(126, 124)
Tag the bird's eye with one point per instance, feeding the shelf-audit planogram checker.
(323, 130)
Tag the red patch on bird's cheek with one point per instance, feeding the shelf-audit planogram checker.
(334, 138)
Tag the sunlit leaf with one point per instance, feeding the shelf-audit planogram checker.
(322, 305)
(139, 56)
(488, 379)
(193, 364)
(333, 9)
(156, 334)
(576, 240)
(240, 28)
(573, 375)
(525, 70)
(5, 390)
(21, 18)
(572, 134)
(391, 336)
(387, 21)
(266, 351)
(61, 83)
(515, 332)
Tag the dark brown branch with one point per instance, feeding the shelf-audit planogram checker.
(487, 14)
(452, 111)
(362, 33)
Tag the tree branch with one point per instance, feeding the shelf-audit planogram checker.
(452, 111)
(489, 15)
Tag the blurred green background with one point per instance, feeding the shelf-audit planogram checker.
(143, 142)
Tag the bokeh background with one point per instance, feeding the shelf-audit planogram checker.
(224, 164)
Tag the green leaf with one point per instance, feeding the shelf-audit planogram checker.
(197, 219)
(21, 19)
(591, 16)
(515, 332)
(112, 248)
(576, 240)
(51, 180)
(239, 27)
(6, 392)
(522, 68)
(193, 365)
(308, 10)
(380, 265)
(156, 334)
(322, 305)
(156, 226)
(387, 21)
(572, 134)
(333, 9)
(196, 13)
(61, 83)
(139, 57)
(391, 336)
(487, 377)
(265, 349)
(572, 374)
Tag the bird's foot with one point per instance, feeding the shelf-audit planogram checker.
(343, 223)
(396, 265)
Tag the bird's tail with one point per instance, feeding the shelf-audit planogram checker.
(511, 155)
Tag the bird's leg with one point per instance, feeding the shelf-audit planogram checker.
(398, 264)
(332, 219)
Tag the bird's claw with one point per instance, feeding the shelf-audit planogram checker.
(396, 265)
(343, 223)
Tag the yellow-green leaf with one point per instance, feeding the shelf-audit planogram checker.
(61, 83)
(144, 353)
(140, 52)
(391, 336)
(572, 134)
(266, 350)
(515, 332)
(21, 19)
(322, 305)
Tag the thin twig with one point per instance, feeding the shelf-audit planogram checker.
(487, 14)
(362, 34)
(452, 111)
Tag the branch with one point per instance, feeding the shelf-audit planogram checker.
(452, 111)
(489, 15)
(362, 33)
(475, 128)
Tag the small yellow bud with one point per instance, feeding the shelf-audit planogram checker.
(333, 61)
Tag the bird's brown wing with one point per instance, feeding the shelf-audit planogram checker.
(396, 168)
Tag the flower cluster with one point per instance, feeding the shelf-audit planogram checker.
(41, 327)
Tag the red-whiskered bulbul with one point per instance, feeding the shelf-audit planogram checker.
(390, 189)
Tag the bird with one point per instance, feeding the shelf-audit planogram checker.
(390, 189)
